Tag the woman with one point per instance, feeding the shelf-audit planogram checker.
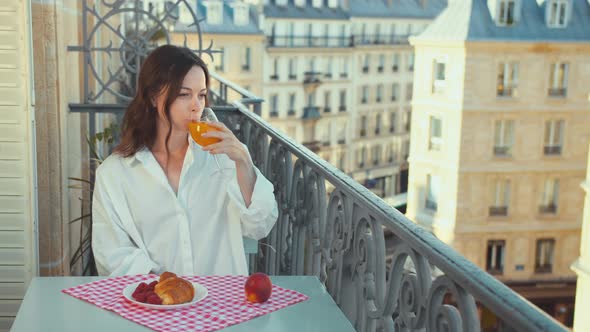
(161, 202)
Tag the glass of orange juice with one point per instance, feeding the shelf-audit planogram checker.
(198, 128)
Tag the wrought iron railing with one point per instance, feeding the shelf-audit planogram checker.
(413, 283)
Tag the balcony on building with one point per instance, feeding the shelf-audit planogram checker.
(385, 39)
(286, 41)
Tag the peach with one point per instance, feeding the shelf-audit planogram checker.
(258, 288)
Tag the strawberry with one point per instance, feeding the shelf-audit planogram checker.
(154, 299)
(142, 287)
(140, 297)
(152, 285)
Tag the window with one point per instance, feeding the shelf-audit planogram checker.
(363, 131)
(411, 62)
(378, 33)
(438, 76)
(558, 79)
(377, 124)
(328, 73)
(392, 153)
(407, 120)
(553, 137)
(367, 61)
(506, 12)
(395, 63)
(275, 69)
(432, 187)
(326, 134)
(220, 66)
(544, 255)
(392, 120)
(495, 256)
(379, 93)
(557, 13)
(214, 9)
(503, 138)
(365, 95)
(246, 60)
(291, 104)
(342, 106)
(364, 33)
(311, 99)
(394, 92)
(409, 91)
(381, 63)
(500, 198)
(361, 156)
(311, 65)
(344, 69)
(241, 14)
(343, 35)
(342, 133)
(507, 79)
(376, 154)
(327, 97)
(341, 159)
(435, 140)
(292, 69)
(550, 196)
(274, 102)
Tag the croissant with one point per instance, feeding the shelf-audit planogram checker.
(174, 290)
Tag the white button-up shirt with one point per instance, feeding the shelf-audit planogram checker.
(140, 225)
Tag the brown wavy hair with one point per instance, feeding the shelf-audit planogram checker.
(164, 69)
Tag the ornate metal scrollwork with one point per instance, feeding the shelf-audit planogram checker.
(125, 30)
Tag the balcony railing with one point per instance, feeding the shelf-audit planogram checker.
(498, 211)
(548, 209)
(557, 92)
(553, 150)
(340, 237)
(502, 151)
(334, 41)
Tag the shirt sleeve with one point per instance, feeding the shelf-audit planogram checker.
(114, 251)
(258, 219)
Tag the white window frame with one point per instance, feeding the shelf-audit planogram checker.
(498, 248)
(508, 80)
(503, 11)
(409, 91)
(557, 86)
(327, 99)
(274, 104)
(557, 16)
(553, 137)
(438, 80)
(432, 191)
(550, 196)
(293, 68)
(544, 255)
(220, 66)
(379, 97)
(381, 67)
(292, 100)
(435, 139)
(214, 12)
(395, 63)
(247, 60)
(501, 197)
(365, 94)
(503, 137)
(395, 92)
(241, 16)
(411, 62)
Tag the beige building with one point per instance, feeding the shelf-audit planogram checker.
(500, 127)
(582, 265)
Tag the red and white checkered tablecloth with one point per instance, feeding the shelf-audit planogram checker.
(224, 305)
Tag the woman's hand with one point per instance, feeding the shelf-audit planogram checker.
(229, 145)
(233, 148)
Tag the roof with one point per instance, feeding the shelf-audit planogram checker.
(427, 9)
(227, 25)
(272, 10)
(470, 20)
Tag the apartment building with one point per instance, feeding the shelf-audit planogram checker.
(500, 129)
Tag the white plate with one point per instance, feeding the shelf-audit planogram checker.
(200, 293)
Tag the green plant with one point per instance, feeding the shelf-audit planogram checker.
(83, 253)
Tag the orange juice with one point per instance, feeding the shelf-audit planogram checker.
(197, 129)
